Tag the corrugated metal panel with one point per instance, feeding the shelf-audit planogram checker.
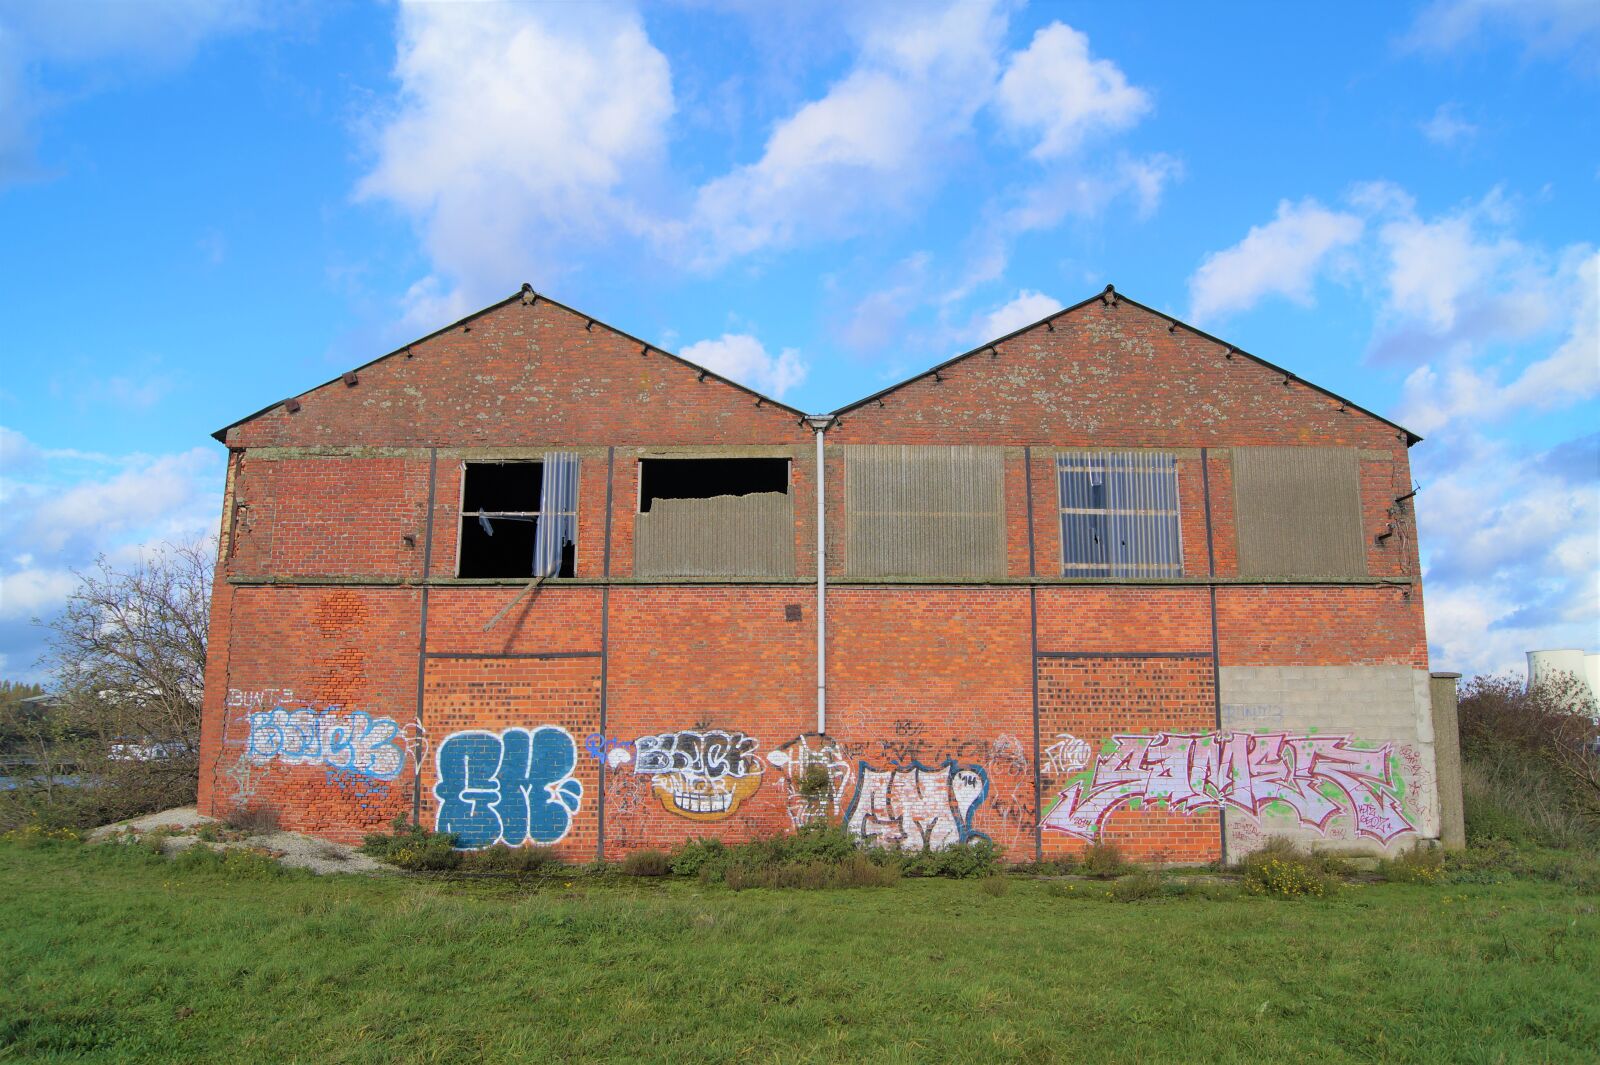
(558, 512)
(924, 511)
(1119, 514)
(725, 536)
(1298, 512)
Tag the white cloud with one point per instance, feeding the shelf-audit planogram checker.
(1459, 283)
(872, 143)
(743, 358)
(1028, 307)
(1543, 26)
(1447, 127)
(517, 131)
(1461, 388)
(1054, 90)
(1281, 258)
(1512, 554)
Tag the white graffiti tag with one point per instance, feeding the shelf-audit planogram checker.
(1067, 755)
(1317, 777)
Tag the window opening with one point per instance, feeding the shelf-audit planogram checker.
(519, 519)
(1119, 514)
(709, 478)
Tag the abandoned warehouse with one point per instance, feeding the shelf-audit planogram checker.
(533, 580)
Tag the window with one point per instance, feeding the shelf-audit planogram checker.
(1298, 511)
(1119, 514)
(721, 517)
(520, 519)
(916, 511)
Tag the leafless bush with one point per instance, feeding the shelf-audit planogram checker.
(255, 820)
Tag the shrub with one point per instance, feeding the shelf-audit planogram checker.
(436, 853)
(1104, 859)
(413, 847)
(647, 863)
(700, 857)
(1421, 864)
(959, 861)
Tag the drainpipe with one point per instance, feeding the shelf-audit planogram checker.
(819, 424)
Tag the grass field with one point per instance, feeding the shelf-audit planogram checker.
(112, 954)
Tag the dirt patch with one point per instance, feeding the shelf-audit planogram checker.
(179, 829)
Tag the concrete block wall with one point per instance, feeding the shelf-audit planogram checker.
(353, 677)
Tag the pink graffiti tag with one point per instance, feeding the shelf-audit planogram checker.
(1318, 777)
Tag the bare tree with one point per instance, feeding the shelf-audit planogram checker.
(129, 655)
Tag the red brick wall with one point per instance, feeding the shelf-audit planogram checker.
(937, 676)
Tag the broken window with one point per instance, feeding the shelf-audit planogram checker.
(1119, 514)
(723, 517)
(920, 511)
(520, 519)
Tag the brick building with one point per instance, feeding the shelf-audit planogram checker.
(533, 579)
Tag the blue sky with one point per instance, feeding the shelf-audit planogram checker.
(207, 205)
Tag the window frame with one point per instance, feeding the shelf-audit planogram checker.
(1131, 569)
(463, 514)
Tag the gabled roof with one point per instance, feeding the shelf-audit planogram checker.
(1111, 295)
(524, 293)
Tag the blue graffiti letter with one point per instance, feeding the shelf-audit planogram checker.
(469, 789)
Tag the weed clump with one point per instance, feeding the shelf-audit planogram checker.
(500, 858)
(996, 886)
(1420, 864)
(1139, 886)
(1280, 869)
(647, 863)
(233, 863)
(1104, 860)
(857, 871)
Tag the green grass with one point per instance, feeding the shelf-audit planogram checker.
(112, 954)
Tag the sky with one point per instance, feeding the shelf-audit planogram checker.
(209, 205)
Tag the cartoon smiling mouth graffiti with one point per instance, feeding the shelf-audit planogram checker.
(702, 798)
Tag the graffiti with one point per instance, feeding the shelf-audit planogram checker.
(1067, 755)
(603, 748)
(701, 775)
(367, 793)
(906, 726)
(256, 700)
(508, 787)
(243, 773)
(802, 755)
(353, 741)
(1315, 777)
(917, 806)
